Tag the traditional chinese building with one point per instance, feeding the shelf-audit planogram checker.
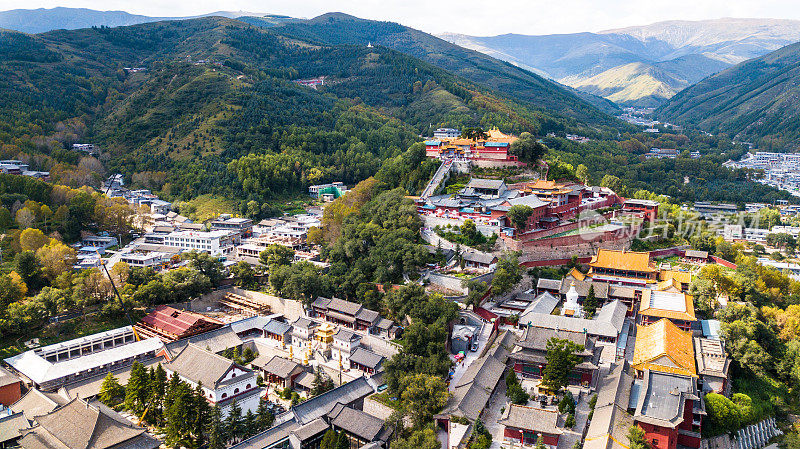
(664, 347)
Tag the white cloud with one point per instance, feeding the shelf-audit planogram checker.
(476, 17)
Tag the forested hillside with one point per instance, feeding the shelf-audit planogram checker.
(754, 101)
(520, 84)
(216, 111)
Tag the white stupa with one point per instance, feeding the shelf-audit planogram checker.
(571, 306)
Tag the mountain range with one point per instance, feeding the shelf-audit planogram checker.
(60, 18)
(639, 66)
(755, 101)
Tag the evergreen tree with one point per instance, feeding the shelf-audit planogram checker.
(250, 424)
(136, 391)
(329, 440)
(342, 442)
(265, 417)
(590, 303)
(561, 360)
(215, 433)
(111, 391)
(177, 416)
(540, 442)
(321, 383)
(158, 388)
(234, 422)
(201, 417)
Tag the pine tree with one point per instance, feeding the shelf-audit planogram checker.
(216, 437)
(329, 440)
(137, 388)
(265, 417)
(540, 442)
(111, 391)
(250, 424)
(202, 412)
(178, 415)
(233, 423)
(343, 442)
(590, 303)
(158, 388)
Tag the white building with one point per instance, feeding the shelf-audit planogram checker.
(142, 260)
(222, 380)
(446, 133)
(344, 343)
(49, 367)
(216, 243)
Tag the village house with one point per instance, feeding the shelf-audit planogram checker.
(278, 370)
(359, 427)
(304, 424)
(366, 361)
(349, 314)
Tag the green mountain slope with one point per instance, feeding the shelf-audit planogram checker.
(520, 84)
(754, 100)
(216, 109)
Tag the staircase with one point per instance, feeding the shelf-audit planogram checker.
(437, 179)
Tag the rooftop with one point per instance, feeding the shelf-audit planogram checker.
(666, 304)
(663, 397)
(662, 346)
(531, 418)
(622, 260)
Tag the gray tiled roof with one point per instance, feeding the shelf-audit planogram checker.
(663, 397)
(548, 284)
(79, 425)
(276, 365)
(356, 422)
(36, 403)
(304, 323)
(199, 365)
(11, 426)
(6, 378)
(315, 427)
(611, 420)
(472, 391)
(277, 327)
(477, 183)
(582, 287)
(367, 358)
(479, 257)
(318, 406)
(531, 418)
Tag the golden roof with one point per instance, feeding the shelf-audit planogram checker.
(576, 273)
(665, 304)
(668, 285)
(684, 277)
(662, 346)
(622, 260)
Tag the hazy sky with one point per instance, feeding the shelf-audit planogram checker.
(475, 17)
